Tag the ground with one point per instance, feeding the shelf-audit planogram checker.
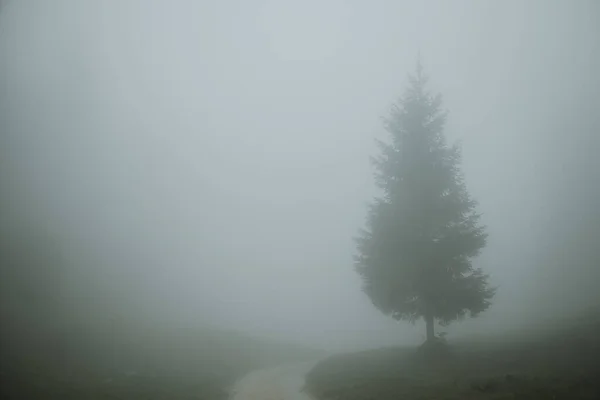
(283, 382)
(173, 364)
(177, 364)
(557, 364)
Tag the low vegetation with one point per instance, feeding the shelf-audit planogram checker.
(549, 363)
(82, 341)
(141, 363)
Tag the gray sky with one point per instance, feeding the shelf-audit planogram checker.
(220, 149)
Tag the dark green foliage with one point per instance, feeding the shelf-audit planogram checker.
(415, 254)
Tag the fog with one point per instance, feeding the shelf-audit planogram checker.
(208, 162)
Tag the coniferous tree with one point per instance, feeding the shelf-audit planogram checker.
(415, 254)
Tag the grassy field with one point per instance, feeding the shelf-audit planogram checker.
(160, 363)
(66, 335)
(550, 363)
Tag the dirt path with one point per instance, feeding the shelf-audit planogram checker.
(281, 383)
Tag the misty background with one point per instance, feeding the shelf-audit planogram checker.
(208, 162)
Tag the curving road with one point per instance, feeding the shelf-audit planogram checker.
(281, 383)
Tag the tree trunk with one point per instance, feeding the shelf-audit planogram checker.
(429, 326)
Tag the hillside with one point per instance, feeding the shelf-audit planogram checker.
(558, 362)
(65, 335)
(142, 362)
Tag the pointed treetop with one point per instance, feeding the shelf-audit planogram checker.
(420, 75)
(418, 80)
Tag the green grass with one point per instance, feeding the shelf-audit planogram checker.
(542, 364)
(141, 362)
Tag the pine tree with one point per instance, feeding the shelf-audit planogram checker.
(415, 254)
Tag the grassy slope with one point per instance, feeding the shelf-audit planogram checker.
(544, 364)
(65, 335)
(160, 363)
